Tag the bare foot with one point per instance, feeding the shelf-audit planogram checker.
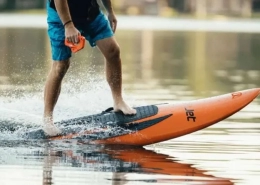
(50, 128)
(122, 106)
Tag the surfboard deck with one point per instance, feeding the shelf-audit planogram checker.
(152, 123)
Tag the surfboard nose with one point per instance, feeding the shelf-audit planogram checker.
(253, 93)
(257, 90)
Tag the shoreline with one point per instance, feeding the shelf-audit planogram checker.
(20, 20)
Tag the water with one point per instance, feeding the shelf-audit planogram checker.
(158, 66)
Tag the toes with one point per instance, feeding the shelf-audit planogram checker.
(130, 112)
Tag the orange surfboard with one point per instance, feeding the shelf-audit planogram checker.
(153, 123)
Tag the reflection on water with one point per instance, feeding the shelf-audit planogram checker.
(62, 163)
(159, 66)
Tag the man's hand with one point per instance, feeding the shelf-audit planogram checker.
(71, 33)
(113, 21)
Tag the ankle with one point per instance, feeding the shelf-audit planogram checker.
(118, 100)
(48, 120)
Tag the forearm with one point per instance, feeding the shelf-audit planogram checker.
(108, 6)
(63, 10)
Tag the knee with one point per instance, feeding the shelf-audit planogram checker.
(59, 69)
(114, 53)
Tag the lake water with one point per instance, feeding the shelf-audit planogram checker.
(158, 66)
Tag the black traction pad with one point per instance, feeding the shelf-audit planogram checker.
(115, 118)
(122, 124)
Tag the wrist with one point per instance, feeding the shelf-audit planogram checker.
(68, 23)
(110, 12)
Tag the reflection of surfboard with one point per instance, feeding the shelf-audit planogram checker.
(123, 160)
(153, 123)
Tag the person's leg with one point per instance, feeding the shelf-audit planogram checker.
(51, 94)
(60, 56)
(111, 52)
(99, 33)
(53, 88)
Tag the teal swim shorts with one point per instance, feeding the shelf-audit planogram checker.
(96, 30)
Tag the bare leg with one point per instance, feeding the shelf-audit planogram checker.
(111, 52)
(52, 92)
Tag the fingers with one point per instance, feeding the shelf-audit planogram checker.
(113, 25)
(73, 37)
